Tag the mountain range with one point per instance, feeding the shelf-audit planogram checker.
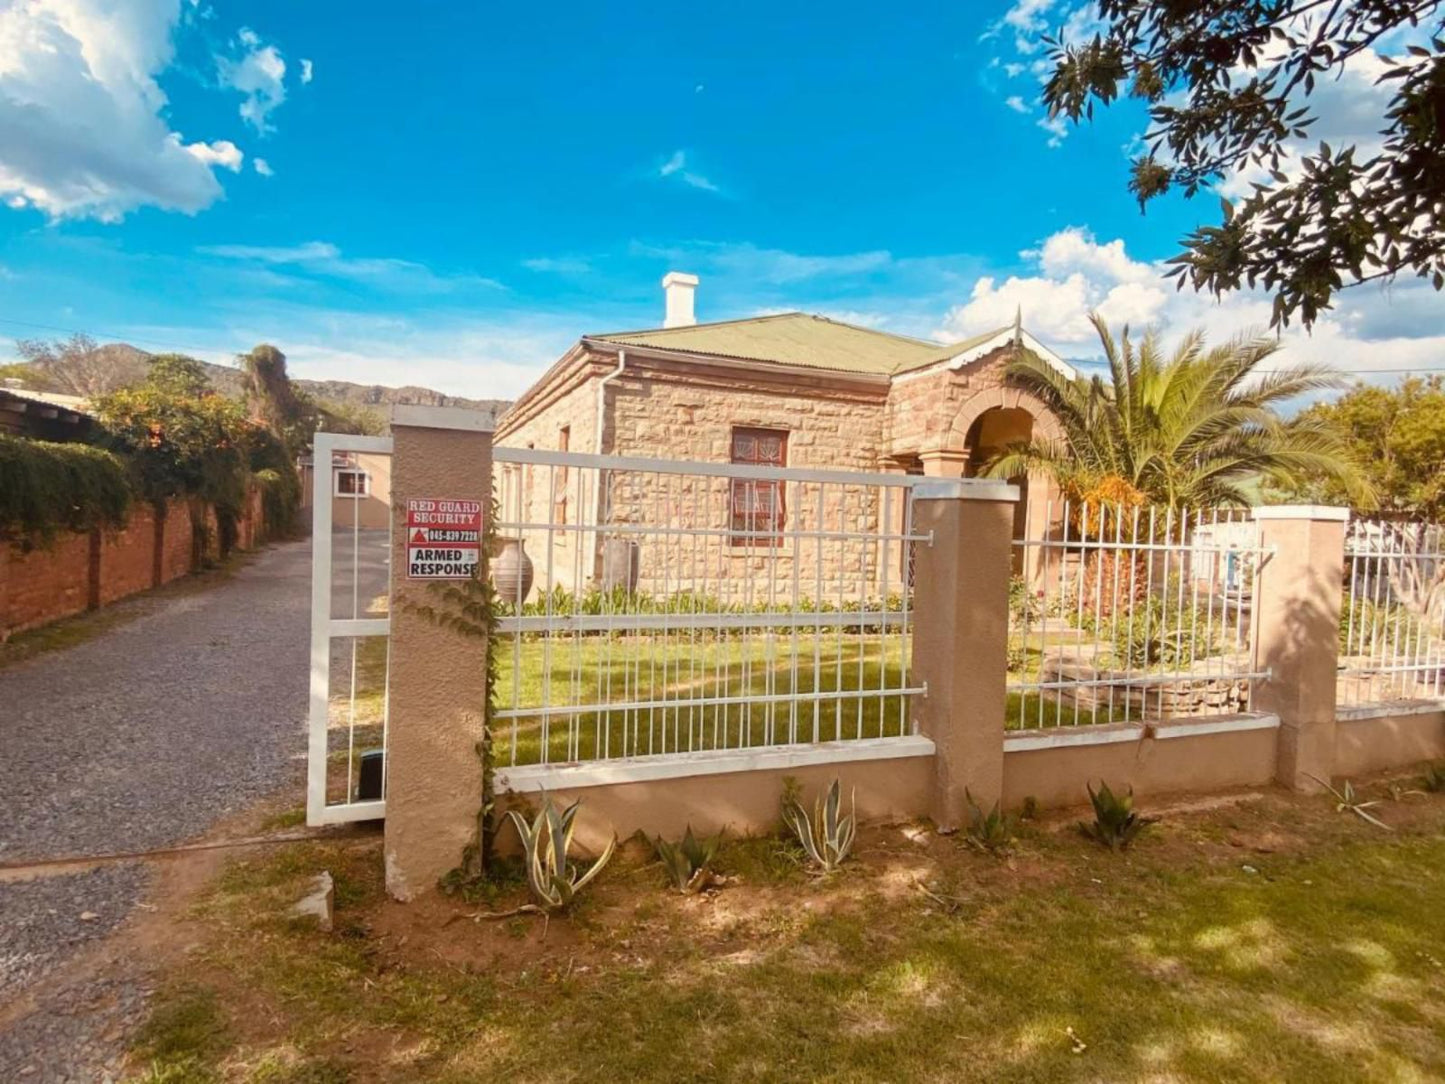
(115, 365)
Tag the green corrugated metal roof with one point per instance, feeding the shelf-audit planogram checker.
(799, 338)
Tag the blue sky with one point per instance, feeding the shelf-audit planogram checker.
(453, 197)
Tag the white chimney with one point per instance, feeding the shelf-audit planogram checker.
(678, 286)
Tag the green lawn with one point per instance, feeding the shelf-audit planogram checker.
(1269, 941)
(600, 670)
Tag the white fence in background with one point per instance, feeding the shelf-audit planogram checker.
(1392, 625)
(686, 607)
(350, 630)
(1121, 614)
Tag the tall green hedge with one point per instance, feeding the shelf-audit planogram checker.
(47, 487)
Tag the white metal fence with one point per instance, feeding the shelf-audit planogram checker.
(350, 632)
(680, 607)
(1392, 622)
(1121, 614)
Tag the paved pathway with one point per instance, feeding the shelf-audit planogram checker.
(143, 737)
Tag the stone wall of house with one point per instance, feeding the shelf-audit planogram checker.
(924, 407)
(669, 411)
(566, 497)
(659, 409)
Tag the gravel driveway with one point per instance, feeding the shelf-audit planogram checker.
(141, 738)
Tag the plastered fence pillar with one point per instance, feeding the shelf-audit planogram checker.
(960, 635)
(437, 676)
(1297, 620)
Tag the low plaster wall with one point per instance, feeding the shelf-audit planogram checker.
(740, 802)
(1181, 756)
(1372, 739)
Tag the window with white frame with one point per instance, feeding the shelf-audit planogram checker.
(351, 482)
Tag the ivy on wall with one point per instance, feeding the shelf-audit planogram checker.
(46, 488)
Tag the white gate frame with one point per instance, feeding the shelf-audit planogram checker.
(325, 628)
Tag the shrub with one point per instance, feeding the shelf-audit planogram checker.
(1023, 606)
(1157, 633)
(47, 487)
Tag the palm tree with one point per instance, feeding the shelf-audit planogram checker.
(1195, 429)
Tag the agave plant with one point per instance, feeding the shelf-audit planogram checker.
(827, 836)
(992, 831)
(553, 878)
(1115, 822)
(1346, 801)
(689, 863)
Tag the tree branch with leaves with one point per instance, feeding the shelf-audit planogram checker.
(1229, 87)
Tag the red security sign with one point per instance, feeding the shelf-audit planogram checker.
(443, 539)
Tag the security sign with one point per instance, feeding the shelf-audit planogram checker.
(443, 539)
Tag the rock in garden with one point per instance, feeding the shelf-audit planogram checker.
(318, 902)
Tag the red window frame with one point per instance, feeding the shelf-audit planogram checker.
(756, 507)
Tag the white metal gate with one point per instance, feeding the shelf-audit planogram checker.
(350, 628)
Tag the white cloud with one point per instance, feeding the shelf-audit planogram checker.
(558, 265)
(1057, 128)
(259, 74)
(263, 167)
(308, 71)
(83, 130)
(764, 265)
(1029, 20)
(220, 153)
(676, 166)
(324, 259)
(1371, 329)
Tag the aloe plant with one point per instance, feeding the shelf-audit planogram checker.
(992, 831)
(827, 836)
(553, 878)
(689, 863)
(1115, 823)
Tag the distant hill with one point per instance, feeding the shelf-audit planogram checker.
(115, 365)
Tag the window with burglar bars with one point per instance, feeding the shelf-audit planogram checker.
(1122, 614)
(655, 626)
(1392, 620)
(757, 504)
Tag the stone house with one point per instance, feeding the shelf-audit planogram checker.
(793, 390)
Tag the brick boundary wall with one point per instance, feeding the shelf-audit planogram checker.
(83, 571)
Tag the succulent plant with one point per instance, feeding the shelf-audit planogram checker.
(551, 875)
(827, 836)
(688, 863)
(1115, 823)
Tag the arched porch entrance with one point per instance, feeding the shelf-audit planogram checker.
(989, 435)
(976, 432)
